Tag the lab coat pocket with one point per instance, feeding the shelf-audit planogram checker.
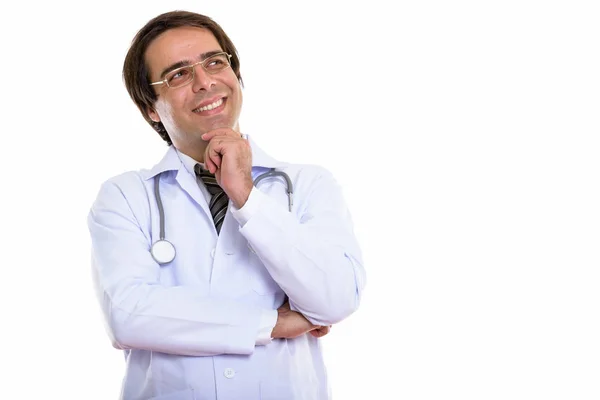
(259, 278)
(187, 394)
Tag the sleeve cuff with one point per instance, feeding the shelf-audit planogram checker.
(243, 215)
(268, 320)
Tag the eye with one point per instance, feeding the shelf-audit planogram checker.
(178, 76)
(216, 63)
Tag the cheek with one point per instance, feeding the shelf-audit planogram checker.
(236, 89)
(239, 98)
(165, 110)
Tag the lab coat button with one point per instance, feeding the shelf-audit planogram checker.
(212, 253)
(229, 373)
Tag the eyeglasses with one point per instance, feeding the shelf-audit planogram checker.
(184, 75)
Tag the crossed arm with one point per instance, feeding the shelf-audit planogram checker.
(142, 314)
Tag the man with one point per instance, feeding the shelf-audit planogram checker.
(216, 288)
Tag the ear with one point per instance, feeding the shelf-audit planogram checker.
(153, 114)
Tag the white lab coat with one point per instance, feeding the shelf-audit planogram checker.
(188, 328)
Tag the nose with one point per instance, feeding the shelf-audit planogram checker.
(202, 79)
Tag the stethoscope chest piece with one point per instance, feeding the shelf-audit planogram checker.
(163, 251)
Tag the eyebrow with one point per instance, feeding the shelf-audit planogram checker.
(184, 63)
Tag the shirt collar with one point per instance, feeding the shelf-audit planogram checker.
(188, 162)
(174, 160)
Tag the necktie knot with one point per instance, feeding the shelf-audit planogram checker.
(208, 179)
(219, 200)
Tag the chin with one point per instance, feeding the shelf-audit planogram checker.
(221, 123)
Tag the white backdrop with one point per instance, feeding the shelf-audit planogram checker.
(474, 123)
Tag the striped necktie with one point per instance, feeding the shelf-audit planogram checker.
(218, 201)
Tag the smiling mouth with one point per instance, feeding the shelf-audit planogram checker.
(209, 107)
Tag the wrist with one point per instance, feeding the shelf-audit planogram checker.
(240, 198)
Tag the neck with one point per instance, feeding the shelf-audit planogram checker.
(196, 149)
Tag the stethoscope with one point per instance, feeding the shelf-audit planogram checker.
(163, 251)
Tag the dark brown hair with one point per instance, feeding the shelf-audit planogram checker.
(136, 72)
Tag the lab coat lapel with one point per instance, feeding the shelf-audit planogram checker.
(189, 185)
(185, 180)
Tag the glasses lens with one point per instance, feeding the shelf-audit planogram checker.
(216, 63)
(184, 75)
(179, 77)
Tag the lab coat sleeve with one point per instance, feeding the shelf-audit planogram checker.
(140, 313)
(312, 253)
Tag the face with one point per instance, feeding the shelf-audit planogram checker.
(183, 110)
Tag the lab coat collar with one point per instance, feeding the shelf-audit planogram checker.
(169, 162)
(262, 159)
(172, 162)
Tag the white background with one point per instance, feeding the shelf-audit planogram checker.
(464, 133)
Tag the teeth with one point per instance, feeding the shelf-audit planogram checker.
(210, 106)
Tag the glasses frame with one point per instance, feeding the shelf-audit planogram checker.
(192, 67)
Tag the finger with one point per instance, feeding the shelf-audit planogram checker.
(237, 150)
(221, 144)
(212, 155)
(208, 163)
(221, 132)
(216, 159)
(320, 331)
(213, 163)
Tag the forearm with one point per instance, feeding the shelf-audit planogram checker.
(179, 321)
(317, 265)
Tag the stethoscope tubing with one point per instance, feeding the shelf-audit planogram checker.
(161, 211)
(162, 246)
(288, 182)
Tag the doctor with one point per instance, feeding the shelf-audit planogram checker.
(215, 285)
